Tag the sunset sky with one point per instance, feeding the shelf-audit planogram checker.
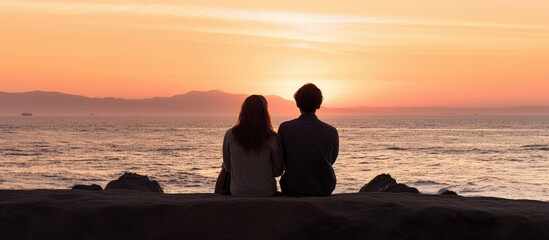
(359, 52)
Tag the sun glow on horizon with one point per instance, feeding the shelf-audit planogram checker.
(331, 90)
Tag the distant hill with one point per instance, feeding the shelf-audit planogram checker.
(192, 103)
(206, 103)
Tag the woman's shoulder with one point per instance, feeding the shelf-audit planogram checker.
(229, 133)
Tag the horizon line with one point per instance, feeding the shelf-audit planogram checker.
(272, 95)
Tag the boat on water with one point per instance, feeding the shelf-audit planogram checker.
(26, 114)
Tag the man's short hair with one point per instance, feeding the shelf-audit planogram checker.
(308, 98)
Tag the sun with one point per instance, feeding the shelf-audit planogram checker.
(287, 87)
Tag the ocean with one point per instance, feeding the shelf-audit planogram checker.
(504, 157)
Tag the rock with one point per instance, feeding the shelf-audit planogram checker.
(446, 191)
(92, 187)
(70, 214)
(133, 181)
(386, 183)
(379, 183)
(399, 188)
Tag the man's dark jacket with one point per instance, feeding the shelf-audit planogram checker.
(310, 149)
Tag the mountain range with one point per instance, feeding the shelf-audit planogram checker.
(208, 103)
(191, 103)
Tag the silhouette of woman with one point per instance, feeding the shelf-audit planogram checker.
(252, 152)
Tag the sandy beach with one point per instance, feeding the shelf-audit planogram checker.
(124, 214)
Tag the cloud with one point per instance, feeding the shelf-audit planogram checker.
(269, 16)
(172, 10)
(326, 33)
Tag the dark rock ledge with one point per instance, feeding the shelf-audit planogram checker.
(126, 214)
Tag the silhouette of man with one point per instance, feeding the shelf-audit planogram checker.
(310, 148)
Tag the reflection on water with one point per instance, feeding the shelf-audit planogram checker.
(490, 156)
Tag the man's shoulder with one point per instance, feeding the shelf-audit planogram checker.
(317, 124)
(288, 123)
(328, 126)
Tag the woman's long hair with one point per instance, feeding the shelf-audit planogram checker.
(254, 127)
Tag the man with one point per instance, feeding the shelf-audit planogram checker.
(310, 148)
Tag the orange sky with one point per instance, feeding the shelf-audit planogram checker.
(360, 53)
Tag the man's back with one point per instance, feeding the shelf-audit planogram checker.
(310, 148)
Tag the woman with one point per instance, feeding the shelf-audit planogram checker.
(252, 152)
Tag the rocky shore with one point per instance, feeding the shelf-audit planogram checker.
(126, 214)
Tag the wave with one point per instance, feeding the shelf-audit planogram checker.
(21, 154)
(430, 148)
(427, 182)
(534, 146)
(472, 150)
(396, 149)
(11, 149)
(442, 150)
(172, 149)
(470, 190)
(540, 149)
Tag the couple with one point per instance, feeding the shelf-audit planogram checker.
(304, 150)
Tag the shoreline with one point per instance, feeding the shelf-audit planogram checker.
(126, 214)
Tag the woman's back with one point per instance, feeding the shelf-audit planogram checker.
(253, 172)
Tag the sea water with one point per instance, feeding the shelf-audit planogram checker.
(473, 155)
